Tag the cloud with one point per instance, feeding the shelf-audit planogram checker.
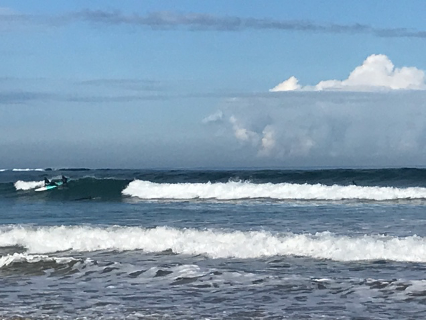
(215, 117)
(288, 85)
(201, 21)
(243, 134)
(121, 90)
(126, 84)
(29, 97)
(304, 128)
(168, 20)
(11, 21)
(20, 97)
(377, 72)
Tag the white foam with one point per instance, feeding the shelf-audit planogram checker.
(178, 271)
(27, 169)
(215, 243)
(24, 257)
(416, 286)
(28, 185)
(281, 191)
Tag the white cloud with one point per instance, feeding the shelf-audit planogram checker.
(288, 85)
(332, 128)
(243, 134)
(215, 117)
(377, 72)
(268, 141)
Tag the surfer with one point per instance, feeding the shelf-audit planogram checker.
(64, 179)
(49, 183)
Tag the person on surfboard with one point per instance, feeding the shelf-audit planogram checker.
(64, 180)
(49, 183)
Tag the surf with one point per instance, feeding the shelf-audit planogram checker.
(222, 185)
(214, 243)
(233, 190)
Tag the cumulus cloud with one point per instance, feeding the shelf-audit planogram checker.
(268, 141)
(377, 72)
(328, 128)
(242, 133)
(288, 85)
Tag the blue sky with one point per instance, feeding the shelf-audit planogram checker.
(144, 84)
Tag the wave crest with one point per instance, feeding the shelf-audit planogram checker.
(216, 243)
(233, 190)
(23, 257)
(27, 185)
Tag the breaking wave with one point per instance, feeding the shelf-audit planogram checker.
(27, 185)
(213, 243)
(273, 185)
(23, 257)
(280, 191)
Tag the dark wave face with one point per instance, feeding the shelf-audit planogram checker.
(115, 185)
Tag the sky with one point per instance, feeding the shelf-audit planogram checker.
(212, 84)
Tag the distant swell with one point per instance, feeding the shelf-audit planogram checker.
(279, 191)
(213, 243)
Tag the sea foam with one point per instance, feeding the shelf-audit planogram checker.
(215, 243)
(24, 257)
(28, 185)
(280, 191)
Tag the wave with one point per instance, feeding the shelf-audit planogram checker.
(23, 257)
(214, 243)
(84, 188)
(27, 185)
(280, 191)
(403, 177)
(116, 185)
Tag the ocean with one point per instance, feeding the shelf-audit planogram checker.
(213, 244)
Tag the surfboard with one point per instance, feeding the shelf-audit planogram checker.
(45, 188)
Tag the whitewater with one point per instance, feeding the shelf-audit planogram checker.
(281, 191)
(246, 190)
(213, 244)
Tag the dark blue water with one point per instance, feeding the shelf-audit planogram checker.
(114, 244)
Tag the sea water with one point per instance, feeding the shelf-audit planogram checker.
(213, 244)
